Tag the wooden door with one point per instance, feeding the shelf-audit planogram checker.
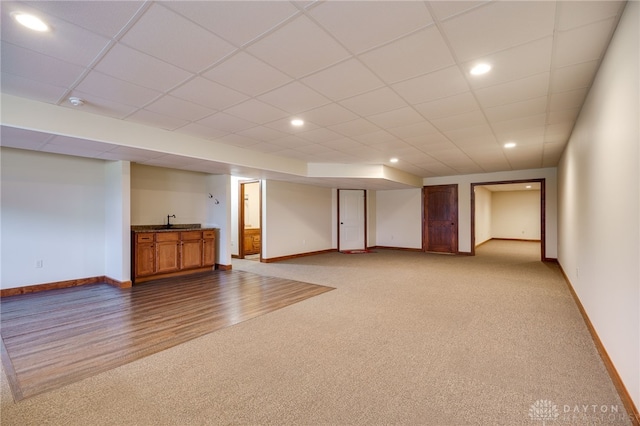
(440, 224)
(351, 216)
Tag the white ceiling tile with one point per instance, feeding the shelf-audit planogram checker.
(344, 144)
(66, 42)
(200, 131)
(375, 138)
(558, 132)
(237, 140)
(262, 133)
(582, 44)
(294, 98)
(573, 76)
(341, 81)
(514, 63)
(116, 90)
(38, 67)
(256, 111)
(209, 94)
(156, 120)
(411, 130)
(482, 131)
(363, 25)
(445, 9)
(460, 121)
(91, 14)
(567, 100)
(431, 142)
(482, 30)
(179, 108)
(291, 141)
(328, 114)
(355, 127)
(452, 105)
(320, 135)
(575, 14)
(288, 48)
(139, 154)
(71, 150)
(517, 109)
(130, 65)
(523, 137)
(414, 55)
(551, 154)
(438, 84)
(374, 102)
(266, 147)
(239, 72)
(514, 91)
(396, 118)
(226, 123)
(30, 89)
(177, 46)
(567, 115)
(510, 126)
(236, 21)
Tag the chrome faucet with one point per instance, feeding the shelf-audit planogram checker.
(169, 223)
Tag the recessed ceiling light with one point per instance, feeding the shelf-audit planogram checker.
(480, 69)
(30, 21)
(510, 145)
(528, 186)
(393, 160)
(297, 122)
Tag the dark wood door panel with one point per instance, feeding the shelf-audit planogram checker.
(440, 224)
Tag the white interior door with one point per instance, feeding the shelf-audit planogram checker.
(351, 219)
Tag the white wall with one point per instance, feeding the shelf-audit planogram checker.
(599, 193)
(118, 220)
(53, 210)
(515, 214)
(483, 215)
(372, 215)
(218, 193)
(296, 219)
(464, 201)
(252, 205)
(399, 218)
(157, 192)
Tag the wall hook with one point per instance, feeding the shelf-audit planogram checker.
(215, 200)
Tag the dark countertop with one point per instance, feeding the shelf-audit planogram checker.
(173, 228)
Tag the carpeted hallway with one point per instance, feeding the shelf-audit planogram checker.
(406, 338)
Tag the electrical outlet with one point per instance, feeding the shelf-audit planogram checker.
(39, 263)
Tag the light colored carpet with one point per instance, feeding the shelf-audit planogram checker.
(407, 338)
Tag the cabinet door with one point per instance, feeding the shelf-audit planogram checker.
(145, 259)
(191, 256)
(208, 252)
(167, 256)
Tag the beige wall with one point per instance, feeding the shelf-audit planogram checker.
(515, 214)
(599, 192)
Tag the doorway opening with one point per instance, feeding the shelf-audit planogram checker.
(513, 224)
(250, 221)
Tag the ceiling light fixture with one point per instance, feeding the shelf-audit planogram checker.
(394, 160)
(528, 186)
(76, 101)
(510, 145)
(480, 69)
(30, 21)
(297, 122)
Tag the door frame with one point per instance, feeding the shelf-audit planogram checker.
(541, 181)
(241, 193)
(364, 211)
(425, 227)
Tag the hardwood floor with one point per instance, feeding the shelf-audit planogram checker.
(54, 338)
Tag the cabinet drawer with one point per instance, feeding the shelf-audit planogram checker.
(191, 235)
(144, 238)
(209, 234)
(167, 236)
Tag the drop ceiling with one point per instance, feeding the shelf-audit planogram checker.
(372, 80)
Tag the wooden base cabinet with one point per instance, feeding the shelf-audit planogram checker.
(157, 254)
